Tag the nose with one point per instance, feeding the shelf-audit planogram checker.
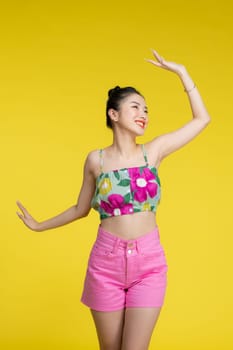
(143, 116)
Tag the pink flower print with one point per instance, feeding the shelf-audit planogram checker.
(116, 205)
(142, 182)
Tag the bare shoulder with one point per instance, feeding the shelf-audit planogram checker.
(92, 163)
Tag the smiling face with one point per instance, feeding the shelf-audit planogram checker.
(132, 115)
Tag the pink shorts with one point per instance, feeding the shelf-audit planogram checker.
(125, 273)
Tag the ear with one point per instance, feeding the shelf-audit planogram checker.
(113, 114)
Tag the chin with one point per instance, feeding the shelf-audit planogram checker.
(138, 133)
(141, 131)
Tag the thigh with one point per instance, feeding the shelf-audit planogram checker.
(109, 327)
(138, 327)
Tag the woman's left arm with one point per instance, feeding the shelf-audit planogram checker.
(170, 142)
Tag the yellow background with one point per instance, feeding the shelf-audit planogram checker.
(58, 59)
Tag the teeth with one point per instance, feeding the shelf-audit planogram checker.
(140, 123)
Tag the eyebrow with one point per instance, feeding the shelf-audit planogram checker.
(137, 103)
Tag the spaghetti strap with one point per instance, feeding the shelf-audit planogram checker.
(144, 154)
(101, 160)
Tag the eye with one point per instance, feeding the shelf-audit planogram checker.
(135, 106)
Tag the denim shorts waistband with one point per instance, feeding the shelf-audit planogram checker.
(111, 240)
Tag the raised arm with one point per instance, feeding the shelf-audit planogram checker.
(170, 142)
(77, 211)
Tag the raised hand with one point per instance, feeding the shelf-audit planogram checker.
(162, 63)
(28, 220)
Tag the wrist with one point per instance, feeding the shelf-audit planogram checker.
(183, 73)
(187, 81)
(38, 227)
(189, 90)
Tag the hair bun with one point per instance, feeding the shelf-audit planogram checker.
(113, 91)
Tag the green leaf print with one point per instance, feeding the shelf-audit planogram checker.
(117, 175)
(127, 198)
(154, 171)
(158, 180)
(124, 182)
(104, 216)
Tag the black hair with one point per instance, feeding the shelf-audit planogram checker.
(115, 96)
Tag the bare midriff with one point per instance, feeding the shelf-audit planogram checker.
(130, 226)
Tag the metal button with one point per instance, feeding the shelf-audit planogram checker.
(129, 251)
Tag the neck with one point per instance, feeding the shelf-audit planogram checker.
(124, 145)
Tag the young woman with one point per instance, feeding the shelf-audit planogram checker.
(126, 275)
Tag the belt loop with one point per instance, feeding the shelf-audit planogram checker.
(116, 245)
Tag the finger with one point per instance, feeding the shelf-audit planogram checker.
(20, 205)
(157, 56)
(22, 208)
(19, 215)
(154, 62)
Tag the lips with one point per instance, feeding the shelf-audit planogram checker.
(140, 123)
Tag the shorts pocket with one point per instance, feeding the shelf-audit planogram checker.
(100, 250)
(101, 256)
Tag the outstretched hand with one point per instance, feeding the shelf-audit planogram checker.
(162, 63)
(28, 220)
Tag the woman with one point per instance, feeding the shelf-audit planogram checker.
(126, 276)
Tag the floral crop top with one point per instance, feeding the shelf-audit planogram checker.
(127, 190)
